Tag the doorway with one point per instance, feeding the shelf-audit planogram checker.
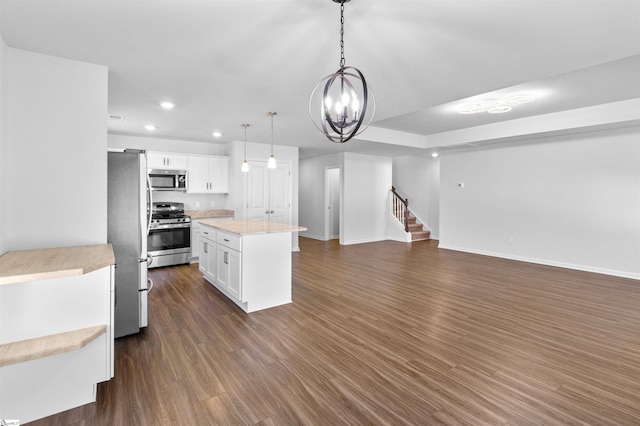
(332, 203)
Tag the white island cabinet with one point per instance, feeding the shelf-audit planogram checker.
(249, 261)
(56, 339)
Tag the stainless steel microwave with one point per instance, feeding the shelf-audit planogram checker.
(168, 180)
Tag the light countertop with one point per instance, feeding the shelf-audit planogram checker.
(251, 226)
(198, 214)
(41, 264)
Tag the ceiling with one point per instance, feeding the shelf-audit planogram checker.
(225, 62)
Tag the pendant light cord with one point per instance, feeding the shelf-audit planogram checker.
(342, 62)
(272, 134)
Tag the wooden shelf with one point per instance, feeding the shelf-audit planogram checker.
(42, 264)
(53, 344)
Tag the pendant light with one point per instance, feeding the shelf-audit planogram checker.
(271, 164)
(345, 101)
(245, 165)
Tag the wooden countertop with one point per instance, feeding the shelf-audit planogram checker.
(41, 264)
(198, 214)
(40, 347)
(251, 226)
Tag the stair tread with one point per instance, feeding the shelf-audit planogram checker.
(420, 235)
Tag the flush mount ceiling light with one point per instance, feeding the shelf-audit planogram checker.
(495, 106)
(271, 164)
(216, 134)
(167, 105)
(346, 103)
(150, 127)
(245, 165)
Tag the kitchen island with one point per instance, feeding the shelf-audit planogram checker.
(248, 260)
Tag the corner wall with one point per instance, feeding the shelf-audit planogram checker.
(4, 146)
(56, 152)
(571, 201)
(366, 185)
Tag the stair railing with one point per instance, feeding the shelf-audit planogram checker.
(400, 208)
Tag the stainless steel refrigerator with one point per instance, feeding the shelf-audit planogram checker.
(128, 218)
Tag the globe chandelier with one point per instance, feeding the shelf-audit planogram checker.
(342, 105)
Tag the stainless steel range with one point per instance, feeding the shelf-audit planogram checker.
(169, 241)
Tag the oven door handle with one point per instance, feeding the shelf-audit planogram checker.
(171, 226)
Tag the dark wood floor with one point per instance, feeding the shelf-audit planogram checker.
(383, 333)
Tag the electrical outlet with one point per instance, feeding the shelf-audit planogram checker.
(197, 204)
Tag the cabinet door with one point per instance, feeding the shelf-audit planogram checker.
(195, 240)
(205, 247)
(234, 259)
(176, 162)
(198, 178)
(163, 160)
(212, 262)
(219, 172)
(222, 266)
(156, 160)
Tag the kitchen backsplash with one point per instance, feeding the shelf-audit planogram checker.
(193, 201)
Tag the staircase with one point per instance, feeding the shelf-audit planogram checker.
(416, 230)
(400, 209)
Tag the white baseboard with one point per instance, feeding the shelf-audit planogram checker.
(314, 237)
(547, 262)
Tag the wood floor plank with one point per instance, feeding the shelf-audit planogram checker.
(383, 333)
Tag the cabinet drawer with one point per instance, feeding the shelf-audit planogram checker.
(230, 240)
(208, 233)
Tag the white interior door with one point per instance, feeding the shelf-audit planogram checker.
(269, 192)
(280, 194)
(332, 203)
(258, 191)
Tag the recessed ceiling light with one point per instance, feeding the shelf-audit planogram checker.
(150, 127)
(216, 134)
(434, 154)
(167, 105)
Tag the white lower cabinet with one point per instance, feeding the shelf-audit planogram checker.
(253, 270)
(229, 270)
(208, 248)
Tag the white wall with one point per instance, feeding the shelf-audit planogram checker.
(366, 184)
(571, 201)
(4, 146)
(191, 201)
(312, 192)
(56, 152)
(418, 179)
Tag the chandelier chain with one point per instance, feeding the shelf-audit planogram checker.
(342, 62)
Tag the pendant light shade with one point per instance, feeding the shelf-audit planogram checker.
(271, 164)
(245, 165)
(342, 105)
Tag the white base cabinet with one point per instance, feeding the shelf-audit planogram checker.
(253, 270)
(36, 388)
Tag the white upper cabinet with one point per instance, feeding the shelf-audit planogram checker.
(166, 160)
(208, 174)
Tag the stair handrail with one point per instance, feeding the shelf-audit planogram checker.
(400, 208)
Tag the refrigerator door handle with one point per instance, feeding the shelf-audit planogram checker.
(150, 203)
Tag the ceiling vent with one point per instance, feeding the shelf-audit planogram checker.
(116, 117)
